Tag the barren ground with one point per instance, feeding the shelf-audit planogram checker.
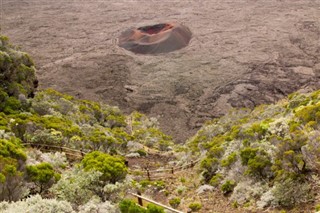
(243, 53)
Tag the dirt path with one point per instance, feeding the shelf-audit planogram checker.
(243, 53)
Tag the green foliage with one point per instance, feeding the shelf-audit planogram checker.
(256, 160)
(175, 202)
(215, 180)
(309, 113)
(17, 72)
(128, 206)
(11, 148)
(11, 179)
(248, 153)
(11, 105)
(36, 204)
(209, 167)
(43, 175)
(291, 192)
(258, 164)
(77, 186)
(142, 152)
(229, 160)
(195, 206)
(228, 186)
(113, 168)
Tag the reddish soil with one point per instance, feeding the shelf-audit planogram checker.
(243, 53)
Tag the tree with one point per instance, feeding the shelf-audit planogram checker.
(43, 175)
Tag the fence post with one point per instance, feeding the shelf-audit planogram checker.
(148, 173)
(140, 199)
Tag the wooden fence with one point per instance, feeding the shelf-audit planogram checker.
(69, 152)
(140, 198)
(164, 173)
(155, 174)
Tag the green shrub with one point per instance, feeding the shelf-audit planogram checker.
(291, 192)
(175, 202)
(209, 167)
(195, 206)
(228, 186)
(128, 206)
(215, 180)
(154, 209)
(248, 153)
(229, 160)
(12, 105)
(43, 175)
(142, 152)
(11, 148)
(113, 168)
(257, 165)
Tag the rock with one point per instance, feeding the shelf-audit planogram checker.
(134, 146)
(204, 188)
(133, 155)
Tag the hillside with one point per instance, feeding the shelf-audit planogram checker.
(62, 154)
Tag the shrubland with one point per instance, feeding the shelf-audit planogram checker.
(268, 156)
(32, 121)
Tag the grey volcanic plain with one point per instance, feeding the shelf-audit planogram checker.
(243, 53)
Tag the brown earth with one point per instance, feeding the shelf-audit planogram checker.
(243, 53)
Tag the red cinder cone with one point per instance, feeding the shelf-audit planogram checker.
(153, 39)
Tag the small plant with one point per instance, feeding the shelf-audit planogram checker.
(228, 186)
(195, 206)
(229, 160)
(175, 202)
(215, 180)
(142, 152)
(235, 204)
(181, 189)
(317, 207)
(183, 180)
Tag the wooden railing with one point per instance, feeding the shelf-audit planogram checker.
(140, 198)
(164, 173)
(69, 152)
(154, 174)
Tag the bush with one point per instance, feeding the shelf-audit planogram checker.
(175, 202)
(42, 175)
(228, 186)
(248, 153)
(291, 192)
(229, 160)
(154, 209)
(77, 186)
(128, 206)
(36, 204)
(113, 168)
(195, 206)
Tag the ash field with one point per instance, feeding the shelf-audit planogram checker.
(242, 53)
